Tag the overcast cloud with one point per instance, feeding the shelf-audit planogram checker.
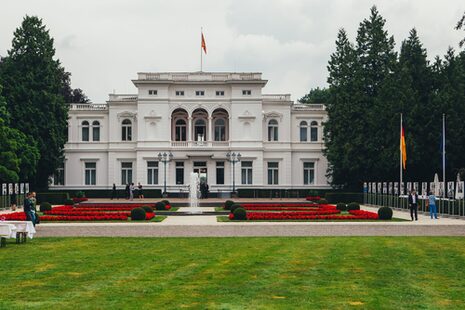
(105, 43)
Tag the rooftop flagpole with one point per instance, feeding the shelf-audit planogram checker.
(201, 39)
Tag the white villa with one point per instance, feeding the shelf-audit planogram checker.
(204, 119)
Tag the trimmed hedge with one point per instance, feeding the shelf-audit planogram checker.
(45, 206)
(323, 202)
(240, 214)
(228, 204)
(353, 206)
(147, 209)
(385, 213)
(53, 198)
(160, 206)
(234, 207)
(137, 214)
(341, 206)
(69, 202)
(335, 197)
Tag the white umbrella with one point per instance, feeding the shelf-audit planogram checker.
(459, 188)
(436, 184)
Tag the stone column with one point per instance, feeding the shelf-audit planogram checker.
(209, 129)
(189, 129)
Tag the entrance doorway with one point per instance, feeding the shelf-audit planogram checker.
(200, 167)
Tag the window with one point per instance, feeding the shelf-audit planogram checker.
(314, 131)
(179, 172)
(90, 174)
(152, 172)
(220, 172)
(200, 129)
(126, 134)
(179, 93)
(200, 93)
(153, 92)
(246, 92)
(126, 173)
(180, 130)
(220, 130)
(309, 173)
(85, 131)
(273, 130)
(220, 93)
(303, 131)
(95, 131)
(246, 172)
(59, 176)
(273, 175)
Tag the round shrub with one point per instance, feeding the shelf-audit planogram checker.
(353, 206)
(80, 194)
(228, 204)
(234, 207)
(45, 206)
(160, 205)
(240, 214)
(137, 214)
(166, 202)
(341, 206)
(69, 202)
(385, 213)
(323, 201)
(147, 209)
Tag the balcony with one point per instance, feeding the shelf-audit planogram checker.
(199, 144)
(88, 107)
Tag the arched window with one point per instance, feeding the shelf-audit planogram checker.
(95, 131)
(303, 131)
(126, 133)
(85, 131)
(200, 130)
(273, 130)
(220, 130)
(180, 130)
(313, 131)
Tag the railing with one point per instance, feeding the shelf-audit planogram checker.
(88, 107)
(120, 97)
(199, 76)
(199, 144)
(308, 107)
(277, 97)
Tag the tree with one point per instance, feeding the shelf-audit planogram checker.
(316, 95)
(71, 95)
(33, 88)
(18, 153)
(461, 25)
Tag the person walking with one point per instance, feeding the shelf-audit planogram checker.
(28, 209)
(113, 192)
(140, 192)
(432, 205)
(413, 204)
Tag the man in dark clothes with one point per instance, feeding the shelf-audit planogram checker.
(413, 204)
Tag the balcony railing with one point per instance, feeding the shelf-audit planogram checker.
(87, 107)
(199, 76)
(199, 144)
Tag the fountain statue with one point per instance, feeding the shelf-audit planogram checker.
(194, 189)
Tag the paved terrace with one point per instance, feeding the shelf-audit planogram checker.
(207, 226)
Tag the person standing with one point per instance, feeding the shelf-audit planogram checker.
(140, 192)
(113, 192)
(432, 205)
(28, 209)
(206, 190)
(413, 204)
(13, 200)
(127, 190)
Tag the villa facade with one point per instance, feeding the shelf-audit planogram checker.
(204, 120)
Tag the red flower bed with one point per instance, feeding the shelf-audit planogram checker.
(115, 206)
(307, 216)
(312, 198)
(16, 216)
(284, 205)
(66, 218)
(83, 213)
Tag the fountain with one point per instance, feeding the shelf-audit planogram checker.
(194, 194)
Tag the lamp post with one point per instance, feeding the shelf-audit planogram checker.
(234, 158)
(165, 158)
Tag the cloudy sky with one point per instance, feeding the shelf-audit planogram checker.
(105, 43)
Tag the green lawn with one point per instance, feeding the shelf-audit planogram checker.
(234, 273)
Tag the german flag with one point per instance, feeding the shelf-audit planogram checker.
(204, 45)
(403, 148)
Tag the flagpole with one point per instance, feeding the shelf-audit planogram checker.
(400, 140)
(201, 60)
(444, 150)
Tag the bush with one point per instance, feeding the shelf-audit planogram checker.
(323, 202)
(228, 204)
(137, 214)
(234, 207)
(334, 197)
(69, 202)
(385, 213)
(341, 206)
(353, 206)
(54, 198)
(45, 206)
(240, 213)
(160, 206)
(147, 209)
(80, 194)
(166, 202)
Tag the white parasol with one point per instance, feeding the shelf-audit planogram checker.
(459, 188)
(436, 184)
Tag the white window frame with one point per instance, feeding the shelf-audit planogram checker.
(127, 172)
(179, 93)
(200, 93)
(247, 172)
(274, 173)
(307, 171)
(153, 172)
(246, 92)
(90, 170)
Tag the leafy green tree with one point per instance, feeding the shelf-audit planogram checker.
(33, 88)
(461, 26)
(71, 95)
(316, 95)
